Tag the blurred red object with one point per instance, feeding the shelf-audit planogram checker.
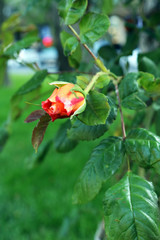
(47, 41)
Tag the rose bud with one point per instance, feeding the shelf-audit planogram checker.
(63, 102)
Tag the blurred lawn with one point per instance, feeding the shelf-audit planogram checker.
(35, 203)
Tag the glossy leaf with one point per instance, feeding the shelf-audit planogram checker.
(82, 81)
(92, 27)
(33, 83)
(62, 142)
(143, 147)
(102, 81)
(33, 116)
(147, 65)
(97, 109)
(75, 59)
(105, 160)
(39, 131)
(69, 43)
(128, 85)
(72, 10)
(131, 210)
(81, 131)
(133, 102)
(148, 82)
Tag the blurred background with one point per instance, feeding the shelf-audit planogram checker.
(36, 190)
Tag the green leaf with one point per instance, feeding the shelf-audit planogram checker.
(71, 45)
(4, 135)
(39, 131)
(107, 52)
(105, 160)
(157, 121)
(107, 6)
(97, 109)
(131, 210)
(102, 81)
(81, 131)
(128, 85)
(16, 47)
(147, 65)
(131, 95)
(62, 142)
(148, 82)
(133, 102)
(75, 59)
(153, 55)
(82, 81)
(92, 27)
(33, 83)
(143, 147)
(72, 10)
(3, 69)
(11, 22)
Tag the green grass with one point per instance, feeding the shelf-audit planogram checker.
(35, 203)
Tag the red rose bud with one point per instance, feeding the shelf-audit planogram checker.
(63, 103)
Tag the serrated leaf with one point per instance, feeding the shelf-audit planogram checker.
(105, 160)
(97, 109)
(71, 45)
(75, 59)
(131, 210)
(16, 47)
(133, 102)
(147, 65)
(81, 131)
(72, 10)
(143, 147)
(102, 81)
(39, 131)
(148, 82)
(92, 27)
(82, 81)
(33, 83)
(62, 142)
(128, 85)
(33, 116)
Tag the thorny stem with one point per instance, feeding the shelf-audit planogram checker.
(115, 79)
(122, 120)
(78, 38)
(121, 113)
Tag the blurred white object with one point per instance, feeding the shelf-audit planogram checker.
(117, 30)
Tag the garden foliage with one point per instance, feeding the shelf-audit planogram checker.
(131, 205)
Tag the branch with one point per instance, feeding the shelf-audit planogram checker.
(121, 113)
